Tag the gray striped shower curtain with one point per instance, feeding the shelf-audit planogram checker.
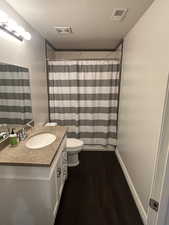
(15, 95)
(83, 96)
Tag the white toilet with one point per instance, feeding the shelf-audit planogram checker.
(73, 147)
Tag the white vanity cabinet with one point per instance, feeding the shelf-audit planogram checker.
(30, 195)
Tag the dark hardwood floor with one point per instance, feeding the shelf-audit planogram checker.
(96, 193)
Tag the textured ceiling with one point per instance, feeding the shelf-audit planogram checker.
(93, 27)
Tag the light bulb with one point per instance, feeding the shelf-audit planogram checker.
(20, 30)
(27, 36)
(3, 17)
(12, 25)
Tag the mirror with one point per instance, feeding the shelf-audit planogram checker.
(15, 95)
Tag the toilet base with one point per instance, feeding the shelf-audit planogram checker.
(73, 159)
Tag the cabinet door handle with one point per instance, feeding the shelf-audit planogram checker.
(65, 172)
(58, 172)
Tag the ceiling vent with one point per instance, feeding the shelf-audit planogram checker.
(63, 30)
(119, 14)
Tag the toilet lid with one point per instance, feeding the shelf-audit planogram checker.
(73, 143)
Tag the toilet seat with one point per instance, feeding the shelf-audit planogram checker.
(73, 144)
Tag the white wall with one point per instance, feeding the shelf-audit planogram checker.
(143, 86)
(30, 54)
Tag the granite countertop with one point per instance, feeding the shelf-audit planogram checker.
(23, 156)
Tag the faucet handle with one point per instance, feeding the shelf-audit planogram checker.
(22, 134)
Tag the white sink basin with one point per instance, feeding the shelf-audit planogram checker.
(40, 140)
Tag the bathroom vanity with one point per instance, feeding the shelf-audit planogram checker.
(32, 180)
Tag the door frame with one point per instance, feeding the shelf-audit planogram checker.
(160, 186)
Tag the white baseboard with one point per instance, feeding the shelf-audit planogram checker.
(137, 200)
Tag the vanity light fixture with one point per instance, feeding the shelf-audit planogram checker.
(11, 27)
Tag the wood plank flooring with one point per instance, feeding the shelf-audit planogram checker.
(96, 193)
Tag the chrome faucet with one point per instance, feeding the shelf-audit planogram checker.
(22, 134)
(29, 124)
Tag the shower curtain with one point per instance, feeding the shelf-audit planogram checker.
(83, 96)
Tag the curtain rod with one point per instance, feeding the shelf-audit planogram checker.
(82, 59)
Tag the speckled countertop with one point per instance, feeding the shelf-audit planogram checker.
(23, 156)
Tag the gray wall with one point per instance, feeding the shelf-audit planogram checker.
(167, 216)
(30, 54)
(143, 87)
(50, 52)
(87, 55)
